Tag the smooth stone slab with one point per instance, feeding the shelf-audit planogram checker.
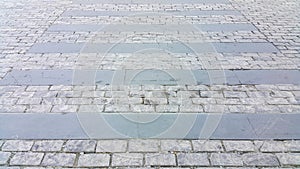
(228, 27)
(43, 126)
(268, 77)
(156, 47)
(57, 77)
(259, 126)
(152, 76)
(90, 13)
(38, 77)
(175, 47)
(75, 28)
(246, 47)
(156, 77)
(149, 1)
(149, 125)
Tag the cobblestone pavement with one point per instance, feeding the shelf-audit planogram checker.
(149, 153)
(223, 35)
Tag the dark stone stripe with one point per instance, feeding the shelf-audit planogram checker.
(152, 27)
(170, 47)
(80, 13)
(161, 77)
(112, 126)
(149, 1)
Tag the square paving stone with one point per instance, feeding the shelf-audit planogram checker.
(207, 145)
(59, 159)
(292, 145)
(160, 159)
(93, 160)
(260, 159)
(143, 145)
(111, 146)
(226, 159)
(273, 146)
(80, 146)
(289, 158)
(17, 145)
(192, 159)
(239, 146)
(48, 145)
(4, 156)
(127, 159)
(26, 158)
(175, 145)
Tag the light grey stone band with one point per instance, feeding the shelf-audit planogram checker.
(114, 125)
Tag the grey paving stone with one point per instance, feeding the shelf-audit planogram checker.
(226, 159)
(80, 146)
(193, 159)
(59, 159)
(143, 145)
(17, 145)
(111, 146)
(48, 145)
(175, 145)
(4, 156)
(239, 146)
(127, 159)
(207, 145)
(260, 159)
(93, 160)
(273, 146)
(64, 108)
(90, 108)
(289, 158)
(292, 145)
(159, 159)
(26, 158)
(234, 94)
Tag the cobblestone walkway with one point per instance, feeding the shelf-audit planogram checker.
(68, 58)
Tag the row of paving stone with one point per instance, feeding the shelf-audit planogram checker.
(151, 98)
(148, 37)
(152, 20)
(140, 61)
(130, 153)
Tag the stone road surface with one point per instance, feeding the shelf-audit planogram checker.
(212, 57)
